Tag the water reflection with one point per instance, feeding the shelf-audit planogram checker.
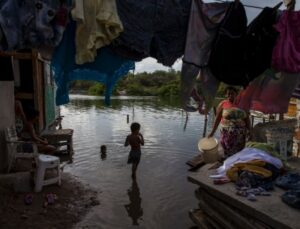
(118, 103)
(170, 142)
(134, 209)
(103, 156)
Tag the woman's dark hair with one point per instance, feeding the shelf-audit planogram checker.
(230, 88)
(135, 126)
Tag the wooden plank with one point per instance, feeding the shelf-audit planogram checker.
(213, 223)
(24, 95)
(38, 85)
(199, 218)
(16, 55)
(196, 161)
(228, 212)
(216, 215)
(270, 210)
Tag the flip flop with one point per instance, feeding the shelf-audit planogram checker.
(50, 197)
(28, 199)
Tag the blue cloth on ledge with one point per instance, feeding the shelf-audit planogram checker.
(107, 68)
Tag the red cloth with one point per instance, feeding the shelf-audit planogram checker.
(286, 53)
(268, 94)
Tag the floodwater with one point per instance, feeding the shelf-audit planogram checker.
(161, 197)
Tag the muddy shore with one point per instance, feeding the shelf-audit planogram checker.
(73, 201)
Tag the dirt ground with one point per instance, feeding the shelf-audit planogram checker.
(73, 201)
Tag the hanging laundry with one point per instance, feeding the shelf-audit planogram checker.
(204, 21)
(227, 60)
(98, 24)
(269, 93)
(78, 11)
(261, 38)
(153, 28)
(31, 24)
(61, 19)
(107, 68)
(202, 28)
(286, 53)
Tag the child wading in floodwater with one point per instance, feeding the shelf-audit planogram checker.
(135, 140)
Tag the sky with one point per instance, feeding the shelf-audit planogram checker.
(151, 65)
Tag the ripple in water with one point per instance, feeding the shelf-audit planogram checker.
(161, 197)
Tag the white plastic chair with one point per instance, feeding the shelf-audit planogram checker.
(43, 162)
(15, 148)
(47, 162)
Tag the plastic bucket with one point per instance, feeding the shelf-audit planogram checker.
(209, 149)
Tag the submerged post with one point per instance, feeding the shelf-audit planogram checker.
(205, 125)
(127, 118)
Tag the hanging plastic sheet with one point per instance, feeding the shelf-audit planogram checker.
(107, 68)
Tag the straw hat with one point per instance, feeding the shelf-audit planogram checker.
(206, 144)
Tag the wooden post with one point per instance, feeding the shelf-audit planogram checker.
(205, 126)
(38, 85)
(7, 116)
(186, 120)
(281, 116)
(127, 118)
(133, 112)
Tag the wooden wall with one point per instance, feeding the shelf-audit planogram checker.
(7, 116)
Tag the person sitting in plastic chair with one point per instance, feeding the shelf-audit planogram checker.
(26, 131)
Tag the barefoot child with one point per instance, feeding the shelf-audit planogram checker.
(135, 140)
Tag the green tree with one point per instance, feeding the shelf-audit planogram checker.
(96, 89)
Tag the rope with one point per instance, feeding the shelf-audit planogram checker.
(249, 6)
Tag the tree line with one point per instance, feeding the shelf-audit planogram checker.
(158, 83)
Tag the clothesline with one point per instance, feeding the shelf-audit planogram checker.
(249, 6)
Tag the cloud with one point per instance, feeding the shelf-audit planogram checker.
(151, 65)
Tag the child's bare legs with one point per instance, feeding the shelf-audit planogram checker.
(134, 168)
(46, 149)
